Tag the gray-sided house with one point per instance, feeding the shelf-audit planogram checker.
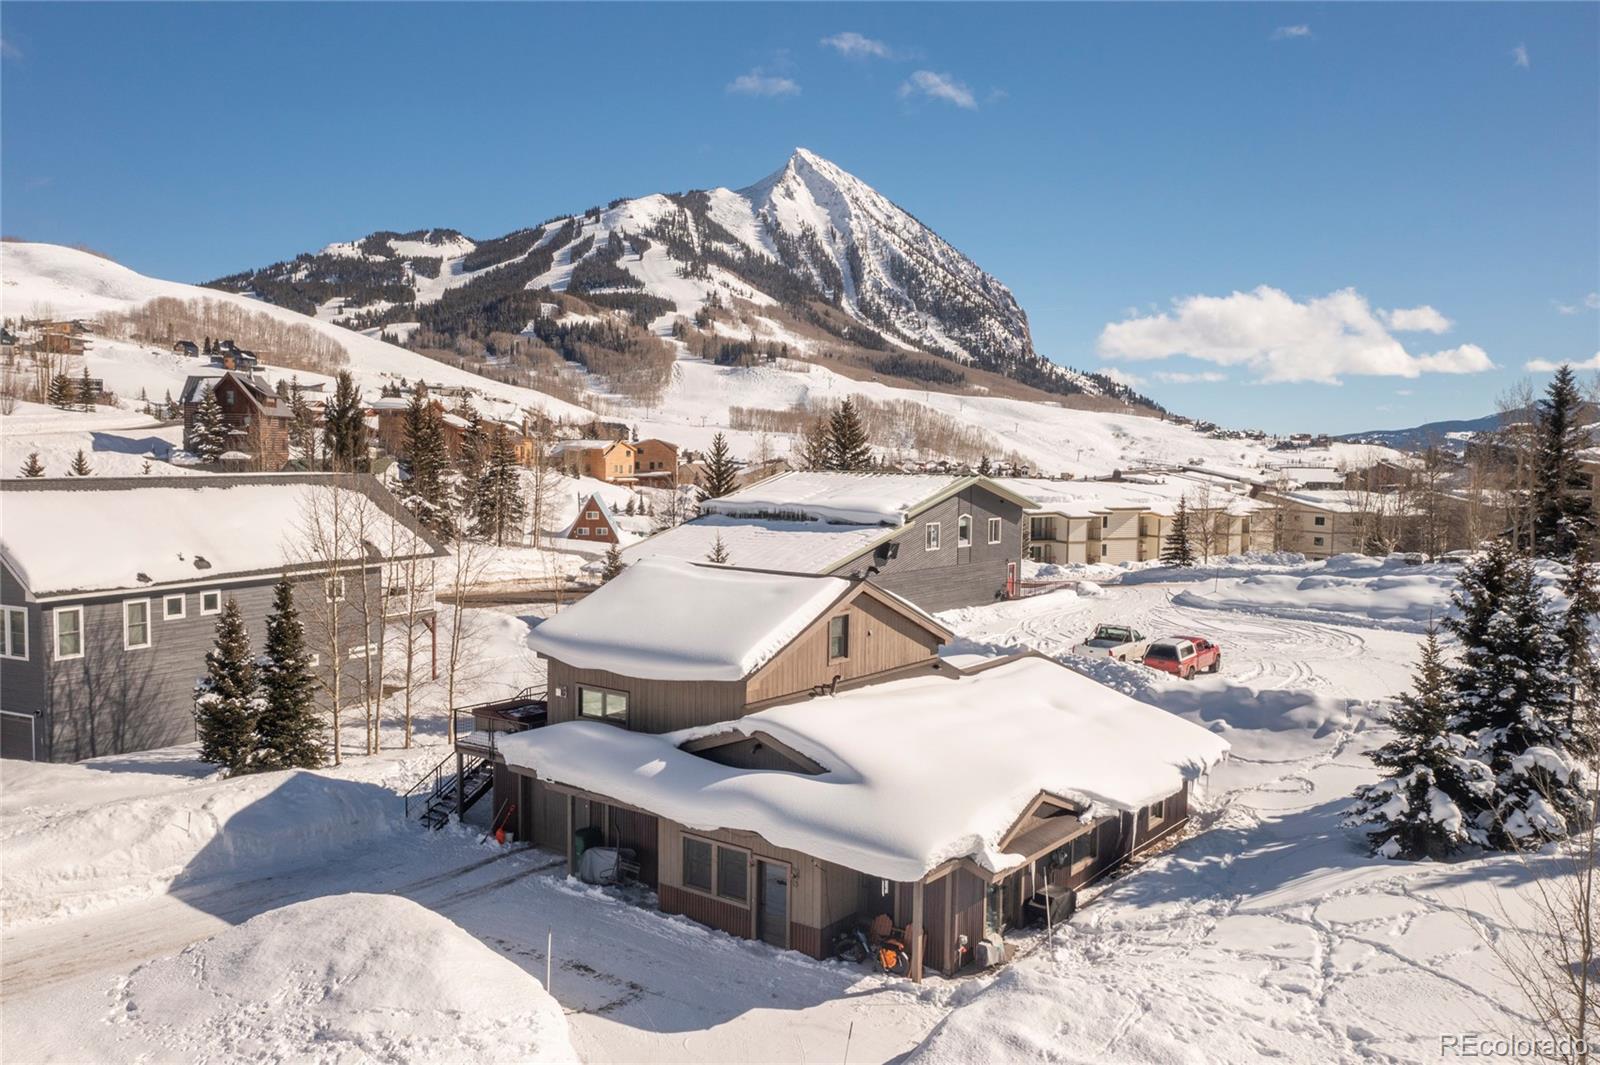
(110, 590)
(939, 541)
(783, 757)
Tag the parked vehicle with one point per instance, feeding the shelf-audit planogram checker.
(880, 941)
(1455, 558)
(1184, 656)
(1114, 641)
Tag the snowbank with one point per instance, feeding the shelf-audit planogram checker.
(1351, 589)
(348, 978)
(909, 782)
(702, 622)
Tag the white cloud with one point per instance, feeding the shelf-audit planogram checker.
(1121, 377)
(857, 46)
(1591, 302)
(1546, 366)
(1281, 339)
(757, 83)
(939, 87)
(1519, 56)
(9, 49)
(1288, 32)
(1176, 377)
(1422, 319)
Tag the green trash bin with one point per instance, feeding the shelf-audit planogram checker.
(583, 839)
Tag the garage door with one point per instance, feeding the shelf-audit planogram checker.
(16, 735)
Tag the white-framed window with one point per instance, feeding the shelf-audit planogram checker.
(333, 589)
(930, 540)
(315, 660)
(14, 632)
(964, 531)
(135, 624)
(592, 515)
(69, 632)
(211, 602)
(602, 704)
(173, 607)
(357, 653)
(583, 530)
(994, 530)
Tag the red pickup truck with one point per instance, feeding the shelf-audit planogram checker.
(1184, 656)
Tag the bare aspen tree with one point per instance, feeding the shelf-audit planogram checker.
(1519, 449)
(467, 558)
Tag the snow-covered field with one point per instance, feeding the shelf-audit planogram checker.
(1267, 934)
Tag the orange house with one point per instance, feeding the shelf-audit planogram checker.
(604, 460)
(656, 461)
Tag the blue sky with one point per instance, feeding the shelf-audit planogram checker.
(1111, 163)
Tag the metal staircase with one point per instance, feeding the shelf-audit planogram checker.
(432, 799)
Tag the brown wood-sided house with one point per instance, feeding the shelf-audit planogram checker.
(787, 756)
(653, 462)
(256, 416)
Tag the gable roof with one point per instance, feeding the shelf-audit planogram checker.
(849, 498)
(703, 622)
(85, 535)
(763, 543)
(908, 782)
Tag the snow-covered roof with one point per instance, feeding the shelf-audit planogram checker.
(762, 543)
(1340, 500)
(854, 498)
(669, 620)
(908, 782)
(75, 535)
(1154, 494)
(585, 445)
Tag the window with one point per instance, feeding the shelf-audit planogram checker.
(1319, 520)
(696, 864)
(602, 704)
(839, 637)
(964, 531)
(135, 624)
(69, 632)
(931, 537)
(211, 602)
(583, 530)
(315, 660)
(733, 881)
(994, 530)
(333, 588)
(1158, 813)
(1085, 849)
(592, 515)
(14, 640)
(1105, 521)
(363, 651)
(1317, 541)
(172, 607)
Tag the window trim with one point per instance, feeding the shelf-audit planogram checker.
(683, 866)
(55, 633)
(996, 530)
(964, 531)
(1077, 865)
(1156, 814)
(930, 536)
(845, 656)
(327, 589)
(213, 610)
(717, 850)
(5, 632)
(183, 607)
(149, 633)
(1319, 520)
(603, 716)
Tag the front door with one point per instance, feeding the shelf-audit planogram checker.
(772, 903)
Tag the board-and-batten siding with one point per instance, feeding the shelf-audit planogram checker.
(653, 705)
(881, 638)
(22, 682)
(115, 699)
(950, 576)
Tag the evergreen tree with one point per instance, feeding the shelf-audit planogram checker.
(848, 448)
(208, 436)
(631, 508)
(814, 447)
(287, 731)
(1512, 704)
(227, 699)
(1413, 809)
(60, 392)
(344, 427)
(427, 462)
(1560, 506)
(33, 467)
(474, 442)
(1580, 666)
(85, 390)
(1176, 548)
(500, 506)
(719, 552)
(169, 409)
(80, 465)
(613, 564)
(719, 478)
(984, 468)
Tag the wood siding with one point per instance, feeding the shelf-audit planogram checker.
(653, 705)
(881, 638)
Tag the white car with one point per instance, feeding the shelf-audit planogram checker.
(1114, 641)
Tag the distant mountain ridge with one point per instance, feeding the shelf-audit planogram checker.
(814, 252)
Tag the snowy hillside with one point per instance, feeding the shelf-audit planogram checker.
(811, 245)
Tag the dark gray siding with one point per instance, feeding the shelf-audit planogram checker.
(113, 700)
(952, 576)
(21, 682)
